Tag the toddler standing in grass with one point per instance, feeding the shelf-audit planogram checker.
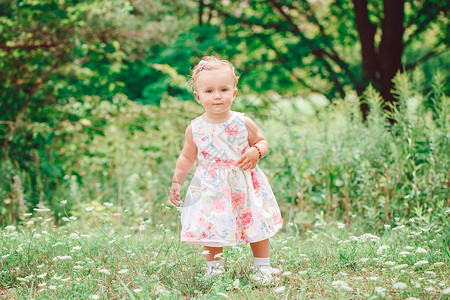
(229, 200)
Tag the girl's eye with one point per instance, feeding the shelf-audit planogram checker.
(224, 90)
(209, 91)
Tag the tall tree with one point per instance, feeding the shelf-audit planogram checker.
(347, 43)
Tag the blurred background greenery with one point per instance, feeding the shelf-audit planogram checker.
(94, 102)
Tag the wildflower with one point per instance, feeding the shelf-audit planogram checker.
(279, 289)
(64, 202)
(386, 226)
(127, 236)
(236, 283)
(141, 227)
(389, 263)
(137, 290)
(78, 267)
(42, 284)
(27, 215)
(65, 219)
(123, 271)
(76, 248)
(365, 259)
(89, 209)
(287, 273)
(404, 253)
(399, 286)
(74, 236)
(373, 278)
(42, 209)
(105, 271)
(409, 248)
(340, 225)
(382, 248)
(22, 279)
(421, 263)
(218, 255)
(341, 285)
(222, 295)
(430, 289)
(400, 266)
(42, 275)
(421, 250)
(380, 290)
(29, 223)
(36, 236)
(439, 264)
(10, 228)
(446, 291)
(206, 252)
(52, 287)
(430, 273)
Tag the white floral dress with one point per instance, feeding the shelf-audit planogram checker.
(225, 205)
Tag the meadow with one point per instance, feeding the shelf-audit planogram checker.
(365, 204)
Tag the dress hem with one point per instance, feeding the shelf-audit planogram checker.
(219, 244)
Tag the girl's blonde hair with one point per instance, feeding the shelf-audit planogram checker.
(209, 63)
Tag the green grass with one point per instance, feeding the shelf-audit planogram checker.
(88, 258)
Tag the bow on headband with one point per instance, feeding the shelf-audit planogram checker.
(201, 65)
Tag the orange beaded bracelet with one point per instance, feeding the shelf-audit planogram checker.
(259, 151)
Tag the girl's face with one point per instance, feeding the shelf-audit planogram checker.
(215, 91)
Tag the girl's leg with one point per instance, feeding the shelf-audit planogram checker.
(213, 251)
(261, 252)
(261, 248)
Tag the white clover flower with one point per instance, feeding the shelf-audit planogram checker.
(341, 285)
(105, 271)
(236, 283)
(141, 227)
(89, 209)
(398, 227)
(10, 228)
(123, 271)
(42, 209)
(64, 202)
(382, 248)
(42, 284)
(389, 263)
(386, 226)
(36, 236)
(340, 225)
(74, 236)
(108, 204)
(380, 290)
(399, 286)
(421, 263)
(404, 253)
(400, 266)
(279, 289)
(31, 222)
(421, 250)
(42, 275)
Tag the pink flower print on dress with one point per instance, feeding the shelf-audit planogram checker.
(255, 181)
(231, 130)
(238, 200)
(247, 218)
(212, 173)
(205, 154)
(226, 192)
(218, 205)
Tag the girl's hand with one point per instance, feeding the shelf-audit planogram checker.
(249, 159)
(175, 193)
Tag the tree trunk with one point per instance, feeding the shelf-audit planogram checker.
(391, 46)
